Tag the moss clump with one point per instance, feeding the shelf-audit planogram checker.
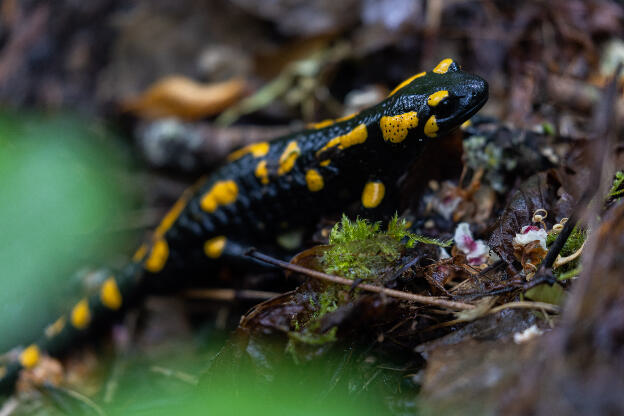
(571, 246)
(360, 250)
(617, 189)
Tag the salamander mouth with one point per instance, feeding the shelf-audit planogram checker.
(456, 120)
(476, 107)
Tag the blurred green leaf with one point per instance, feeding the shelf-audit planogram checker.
(545, 293)
(59, 198)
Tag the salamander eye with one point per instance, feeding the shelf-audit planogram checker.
(446, 107)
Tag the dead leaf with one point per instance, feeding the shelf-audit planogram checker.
(541, 191)
(182, 97)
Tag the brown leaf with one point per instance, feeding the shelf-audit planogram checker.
(541, 191)
(182, 97)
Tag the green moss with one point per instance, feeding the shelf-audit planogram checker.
(360, 250)
(571, 246)
(311, 338)
(617, 189)
(548, 128)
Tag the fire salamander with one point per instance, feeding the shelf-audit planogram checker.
(291, 179)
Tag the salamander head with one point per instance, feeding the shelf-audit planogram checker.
(434, 103)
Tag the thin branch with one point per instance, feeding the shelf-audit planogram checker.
(229, 295)
(564, 260)
(8, 408)
(549, 307)
(178, 375)
(83, 399)
(428, 300)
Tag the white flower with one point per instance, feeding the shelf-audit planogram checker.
(530, 233)
(476, 251)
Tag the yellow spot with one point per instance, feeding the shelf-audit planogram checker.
(221, 193)
(214, 247)
(436, 97)
(288, 157)
(332, 143)
(80, 315)
(55, 328)
(262, 173)
(466, 124)
(395, 128)
(110, 295)
(431, 127)
(373, 194)
(325, 162)
(172, 215)
(443, 66)
(321, 124)
(256, 149)
(139, 255)
(158, 256)
(407, 81)
(356, 136)
(314, 180)
(30, 356)
(3, 371)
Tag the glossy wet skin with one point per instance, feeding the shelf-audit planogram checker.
(467, 93)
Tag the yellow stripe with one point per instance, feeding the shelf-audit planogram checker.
(256, 149)
(356, 136)
(407, 81)
(221, 193)
(435, 98)
(158, 256)
(443, 66)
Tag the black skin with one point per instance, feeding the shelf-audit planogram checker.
(261, 211)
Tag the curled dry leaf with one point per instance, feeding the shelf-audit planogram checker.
(184, 98)
(530, 256)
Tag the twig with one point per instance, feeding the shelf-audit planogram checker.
(9, 407)
(560, 261)
(428, 300)
(83, 399)
(230, 295)
(511, 305)
(549, 307)
(178, 375)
